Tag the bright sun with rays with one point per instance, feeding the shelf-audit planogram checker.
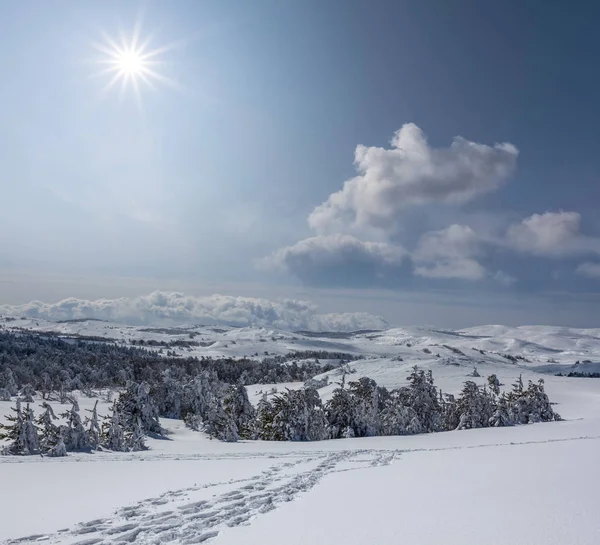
(131, 63)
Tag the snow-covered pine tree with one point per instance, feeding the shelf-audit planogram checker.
(27, 393)
(30, 431)
(518, 403)
(295, 415)
(60, 449)
(494, 384)
(49, 431)
(540, 409)
(237, 405)
(501, 416)
(137, 439)
(368, 400)
(194, 422)
(340, 413)
(263, 420)
(13, 431)
(75, 436)
(9, 382)
(396, 417)
(471, 408)
(221, 424)
(136, 402)
(200, 394)
(21, 432)
(168, 395)
(422, 397)
(93, 424)
(450, 416)
(113, 435)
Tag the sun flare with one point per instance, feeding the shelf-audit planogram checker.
(130, 62)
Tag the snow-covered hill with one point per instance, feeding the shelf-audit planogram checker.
(534, 484)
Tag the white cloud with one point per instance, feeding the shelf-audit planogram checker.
(326, 260)
(591, 270)
(552, 234)
(449, 253)
(328, 250)
(411, 173)
(172, 308)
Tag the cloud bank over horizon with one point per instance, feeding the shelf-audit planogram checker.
(170, 308)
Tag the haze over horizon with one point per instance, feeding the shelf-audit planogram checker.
(421, 162)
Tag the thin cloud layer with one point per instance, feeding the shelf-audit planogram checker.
(412, 173)
(162, 308)
(591, 270)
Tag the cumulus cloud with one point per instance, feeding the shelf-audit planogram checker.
(591, 270)
(339, 259)
(449, 253)
(552, 234)
(411, 173)
(162, 308)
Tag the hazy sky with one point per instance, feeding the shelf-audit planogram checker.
(429, 161)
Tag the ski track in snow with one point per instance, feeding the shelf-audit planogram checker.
(173, 518)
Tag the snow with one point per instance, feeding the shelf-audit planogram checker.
(518, 494)
(520, 485)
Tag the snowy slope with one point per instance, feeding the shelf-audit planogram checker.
(521, 485)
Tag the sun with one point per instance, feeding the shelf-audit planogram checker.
(131, 63)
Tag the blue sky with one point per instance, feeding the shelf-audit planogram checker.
(233, 181)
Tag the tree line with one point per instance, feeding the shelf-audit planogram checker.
(360, 408)
(48, 363)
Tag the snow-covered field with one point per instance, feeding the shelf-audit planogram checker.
(534, 484)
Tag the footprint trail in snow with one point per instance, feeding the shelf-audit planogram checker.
(194, 515)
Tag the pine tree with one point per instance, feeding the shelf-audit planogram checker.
(93, 432)
(21, 432)
(75, 437)
(238, 408)
(494, 384)
(396, 418)
(540, 409)
(340, 413)
(59, 449)
(30, 432)
(27, 393)
(501, 416)
(470, 408)
(113, 435)
(263, 420)
(221, 424)
(368, 400)
(450, 415)
(50, 432)
(137, 439)
(422, 397)
(9, 382)
(136, 402)
(294, 415)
